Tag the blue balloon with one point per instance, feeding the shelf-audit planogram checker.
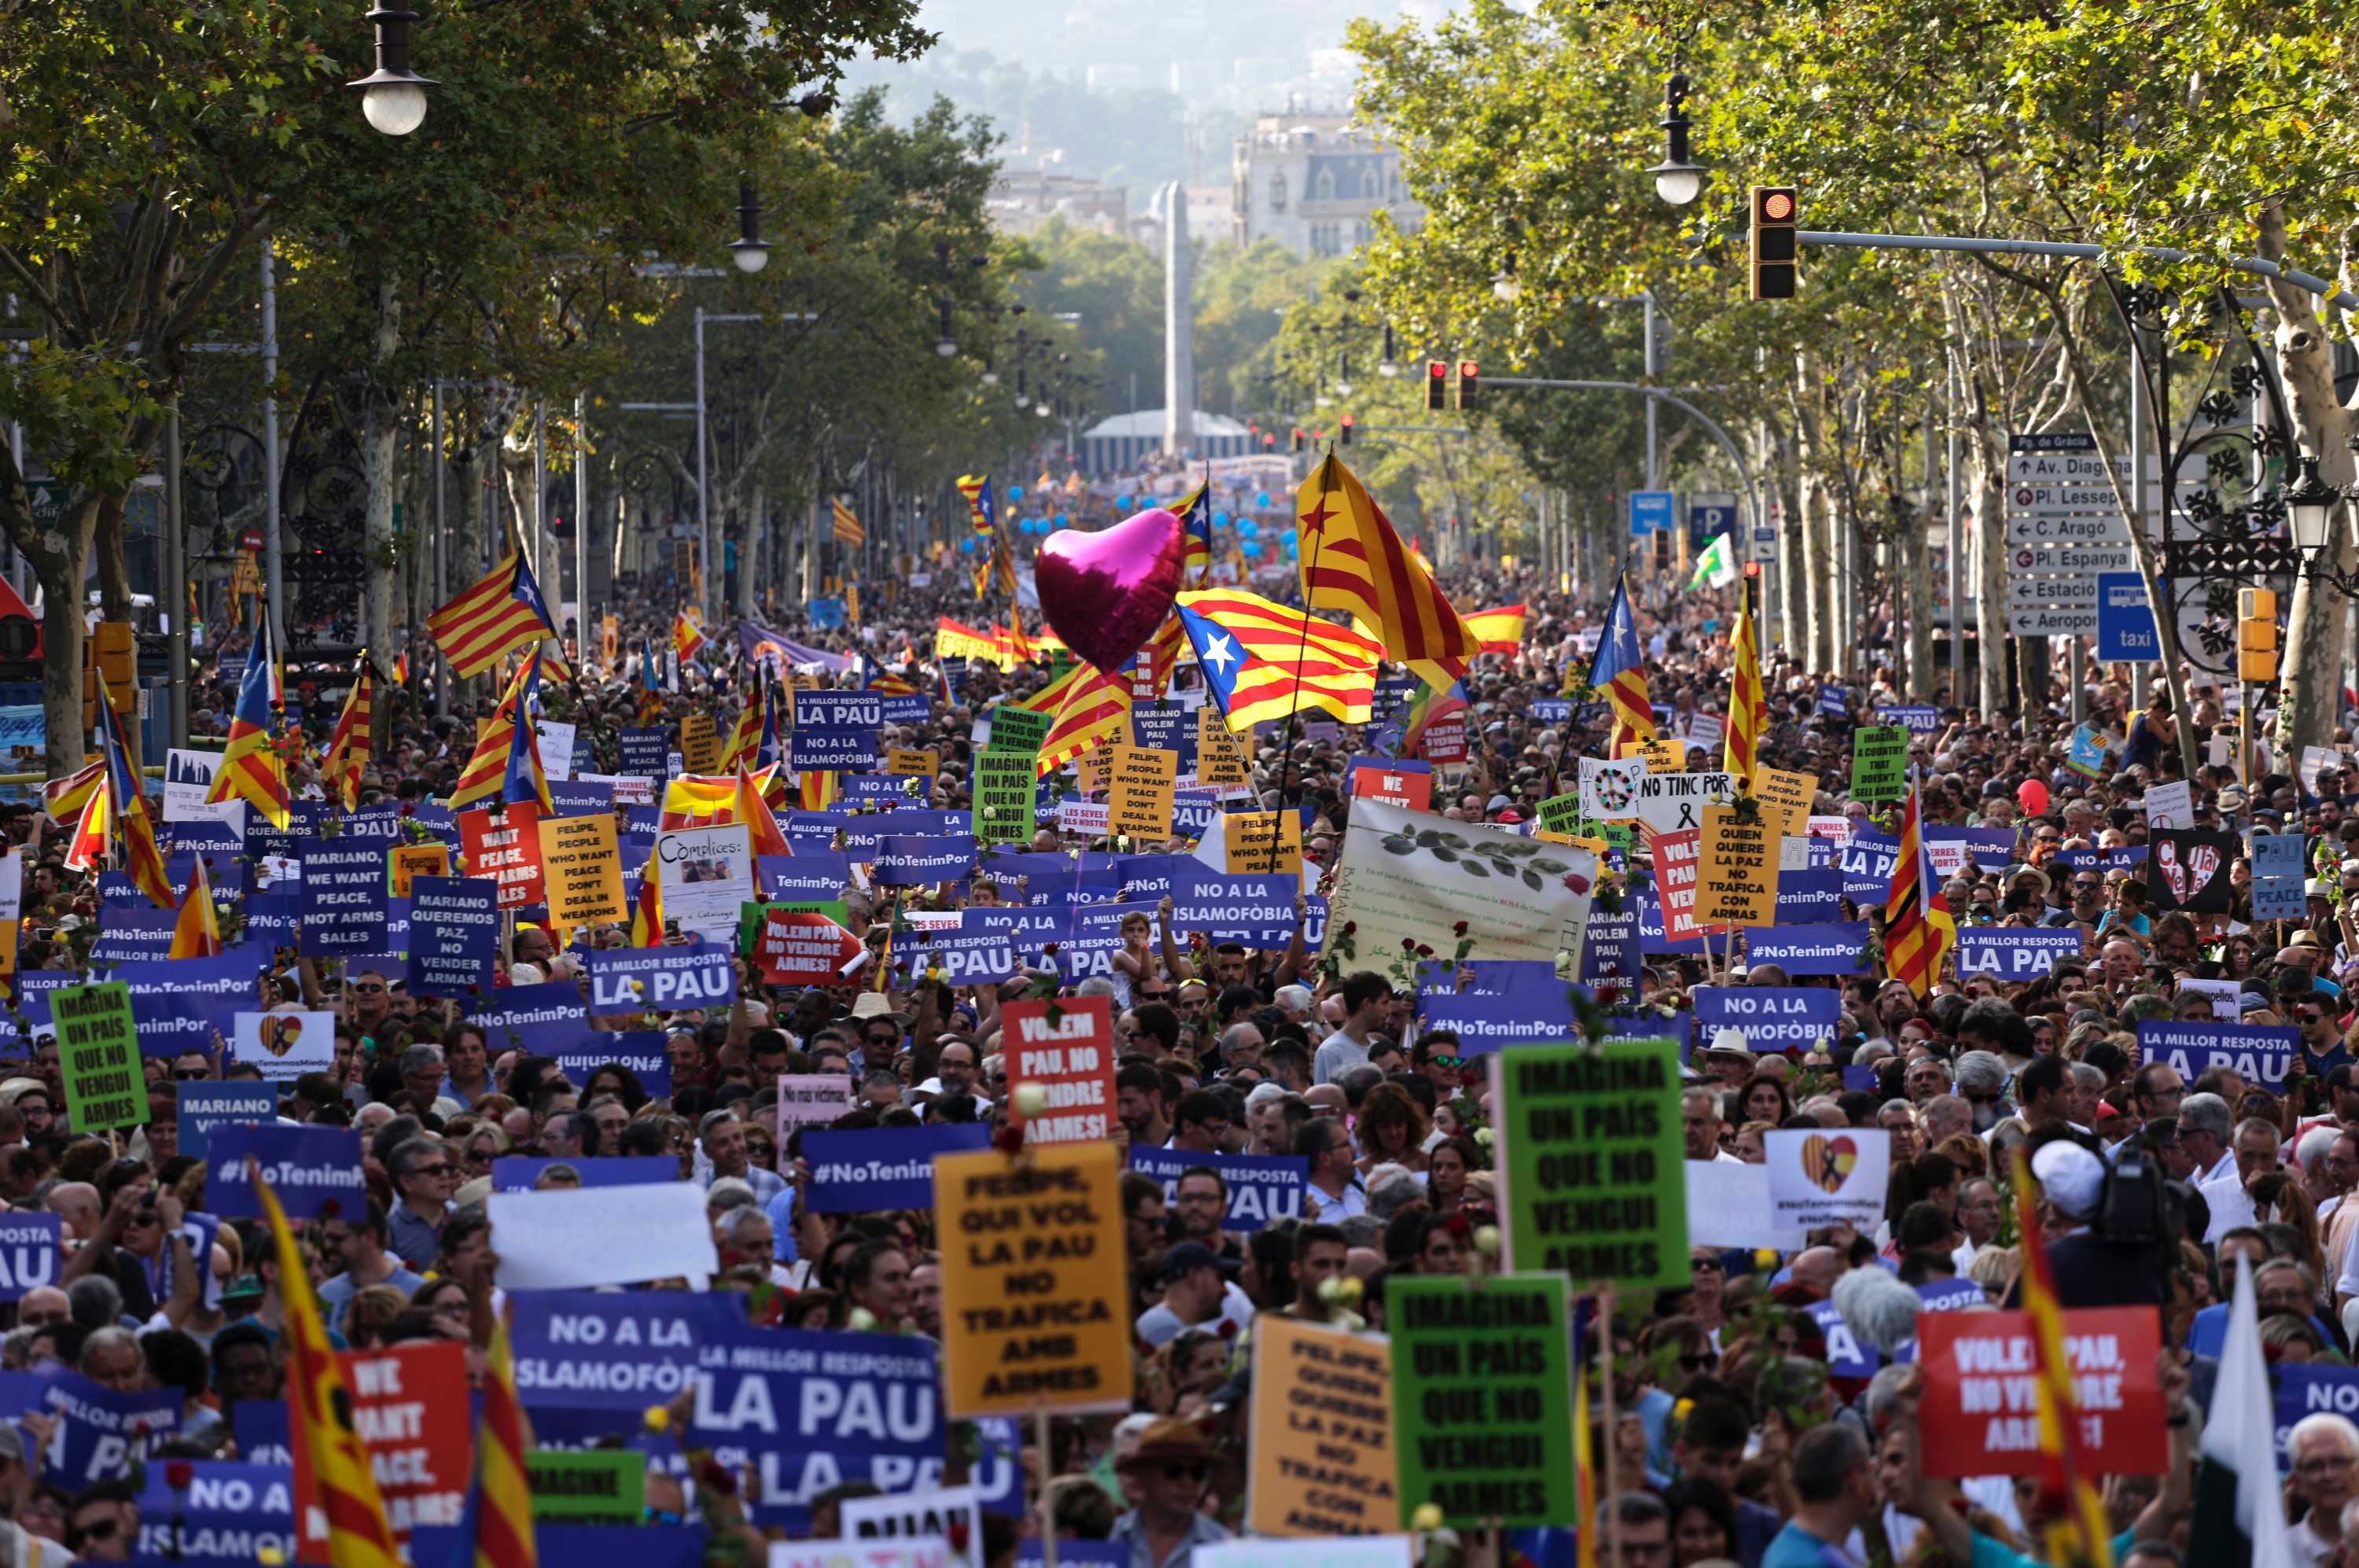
(1252, 550)
(1262, 499)
(1062, 522)
(1123, 501)
(1015, 492)
(1022, 524)
(1220, 519)
(966, 546)
(1248, 528)
(1290, 548)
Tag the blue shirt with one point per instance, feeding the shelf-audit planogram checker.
(1201, 1532)
(1795, 1547)
(412, 1238)
(336, 1294)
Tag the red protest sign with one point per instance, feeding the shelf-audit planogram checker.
(803, 947)
(1678, 857)
(1445, 739)
(1069, 1053)
(409, 1406)
(1414, 791)
(1980, 1409)
(505, 848)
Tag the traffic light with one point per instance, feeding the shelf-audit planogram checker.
(1470, 390)
(1344, 439)
(1297, 438)
(1437, 386)
(2256, 634)
(1775, 242)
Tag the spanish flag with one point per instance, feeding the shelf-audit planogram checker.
(755, 813)
(646, 915)
(196, 933)
(1501, 630)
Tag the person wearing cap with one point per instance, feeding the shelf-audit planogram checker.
(2087, 1271)
(1166, 1472)
(1197, 1293)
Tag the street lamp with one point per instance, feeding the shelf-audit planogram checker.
(1387, 367)
(1504, 287)
(945, 344)
(2309, 506)
(393, 96)
(1677, 180)
(748, 249)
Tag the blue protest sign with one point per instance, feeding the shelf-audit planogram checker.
(881, 1168)
(2086, 755)
(269, 921)
(517, 1173)
(1847, 1354)
(826, 748)
(33, 987)
(315, 1170)
(1207, 902)
(1149, 878)
(1771, 1018)
(227, 1515)
(2010, 953)
(343, 894)
(454, 935)
(206, 1105)
(1834, 703)
(100, 1431)
(1070, 1554)
(1263, 1188)
(2278, 876)
(181, 1002)
(903, 862)
(641, 1051)
(1917, 718)
(815, 1409)
(660, 979)
(809, 875)
(1027, 931)
(1550, 710)
(965, 954)
(2128, 857)
(1838, 947)
(540, 1019)
(1677, 1027)
(1951, 1296)
(571, 797)
(1867, 863)
(29, 1248)
(2125, 629)
(212, 837)
(590, 1350)
(642, 751)
(2305, 1389)
(1485, 1024)
(262, 1434)
(1989, 849)
(839, 710)
(2259, 1053)
(1194, 812)
(907, 708)
(141, 934)
(1610, 950)
(1093, 936)
(1806, 898)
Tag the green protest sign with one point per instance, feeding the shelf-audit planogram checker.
(1879, 762)
(1018, 729)
(1561, 813)
(1002, 795)
(1483, 1398)
(587, 1485)
(98, 1054)
(1590, 1145)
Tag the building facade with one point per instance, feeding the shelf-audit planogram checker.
(1315, 183)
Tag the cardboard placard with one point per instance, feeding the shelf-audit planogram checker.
(1980, 1409)
(405, 863)
(1020, 730)
(98, 1056)
(1003, 797)
(1669, 755)
(1483, 1396)
(1678, 866)
(409, 1405)
(581, 867)
(1035, 1290)
(1737, 870)
(1140, 785)
(1263, 841)
(1220, 761)
(1787, 797)
(505, 849)
(1879, 762)
(1822, 1179)
(700, 744)
(1067, 1048)
(1321, 1436)
(1590, 1145)
(1609, 791)
(903, 763)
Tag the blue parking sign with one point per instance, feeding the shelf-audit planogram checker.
(2126, 629)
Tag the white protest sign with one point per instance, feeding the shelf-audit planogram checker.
(188, 776)
(1707, 730)
(564, 1240)
(1819, 1179)
(1609, 791)
(2225, 1008)
(1835, 830)
(286, 1045)
(811, 1099)
(630, 790)
(1355, 1551)
(907, 1516)
(928, 1552)
(706, 876)
(2170, 805)
(1728, 1205)
(555, 747)
(1671, 802)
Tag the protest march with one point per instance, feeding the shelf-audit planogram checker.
(1334, 1062)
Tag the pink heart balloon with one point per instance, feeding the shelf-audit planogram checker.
(1106, 593)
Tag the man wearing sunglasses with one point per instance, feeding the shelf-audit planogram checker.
(1166, 1474)
(1436, 1058)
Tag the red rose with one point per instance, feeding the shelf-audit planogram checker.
(177, 1474)
(1458, 1226)
(1608, 995)
(1351, 927)
(1228, 1328)
(1008, 1139)
(958, 1534)
(1459, 929)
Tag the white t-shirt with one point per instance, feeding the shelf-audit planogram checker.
(1159, 1325)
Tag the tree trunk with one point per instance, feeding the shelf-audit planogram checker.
(1986, 494)
(380, 432)
(2315, 632)
(754, 522)
(1916, 606)
(113, 568)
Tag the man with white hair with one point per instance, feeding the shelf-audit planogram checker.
(2320, 1183)
(1296, 1002)
(2325, 1448)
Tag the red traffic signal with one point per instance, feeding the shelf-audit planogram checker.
(1775, 242)
(1343, 436)
(1470, 386)
(1437, 385)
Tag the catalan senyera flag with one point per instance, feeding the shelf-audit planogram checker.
(1918, 926)
(501, 614)
(2080, 1533)
(250, 769)
(646, 915)
(523, 780)
(1088, 707)
(846, 526)
(1194, 511)
(817, 788)
(745, 739)
(354, 737)
(1351, 559)
(1501, 630)
(495, 1529)
(1620, 670)
(1262, 660)
(487, 765)
(196, 933)
(755, 813)
(982, 516)
(1748, 707)
(142, 861)
(687, 635)
(320, 1421)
